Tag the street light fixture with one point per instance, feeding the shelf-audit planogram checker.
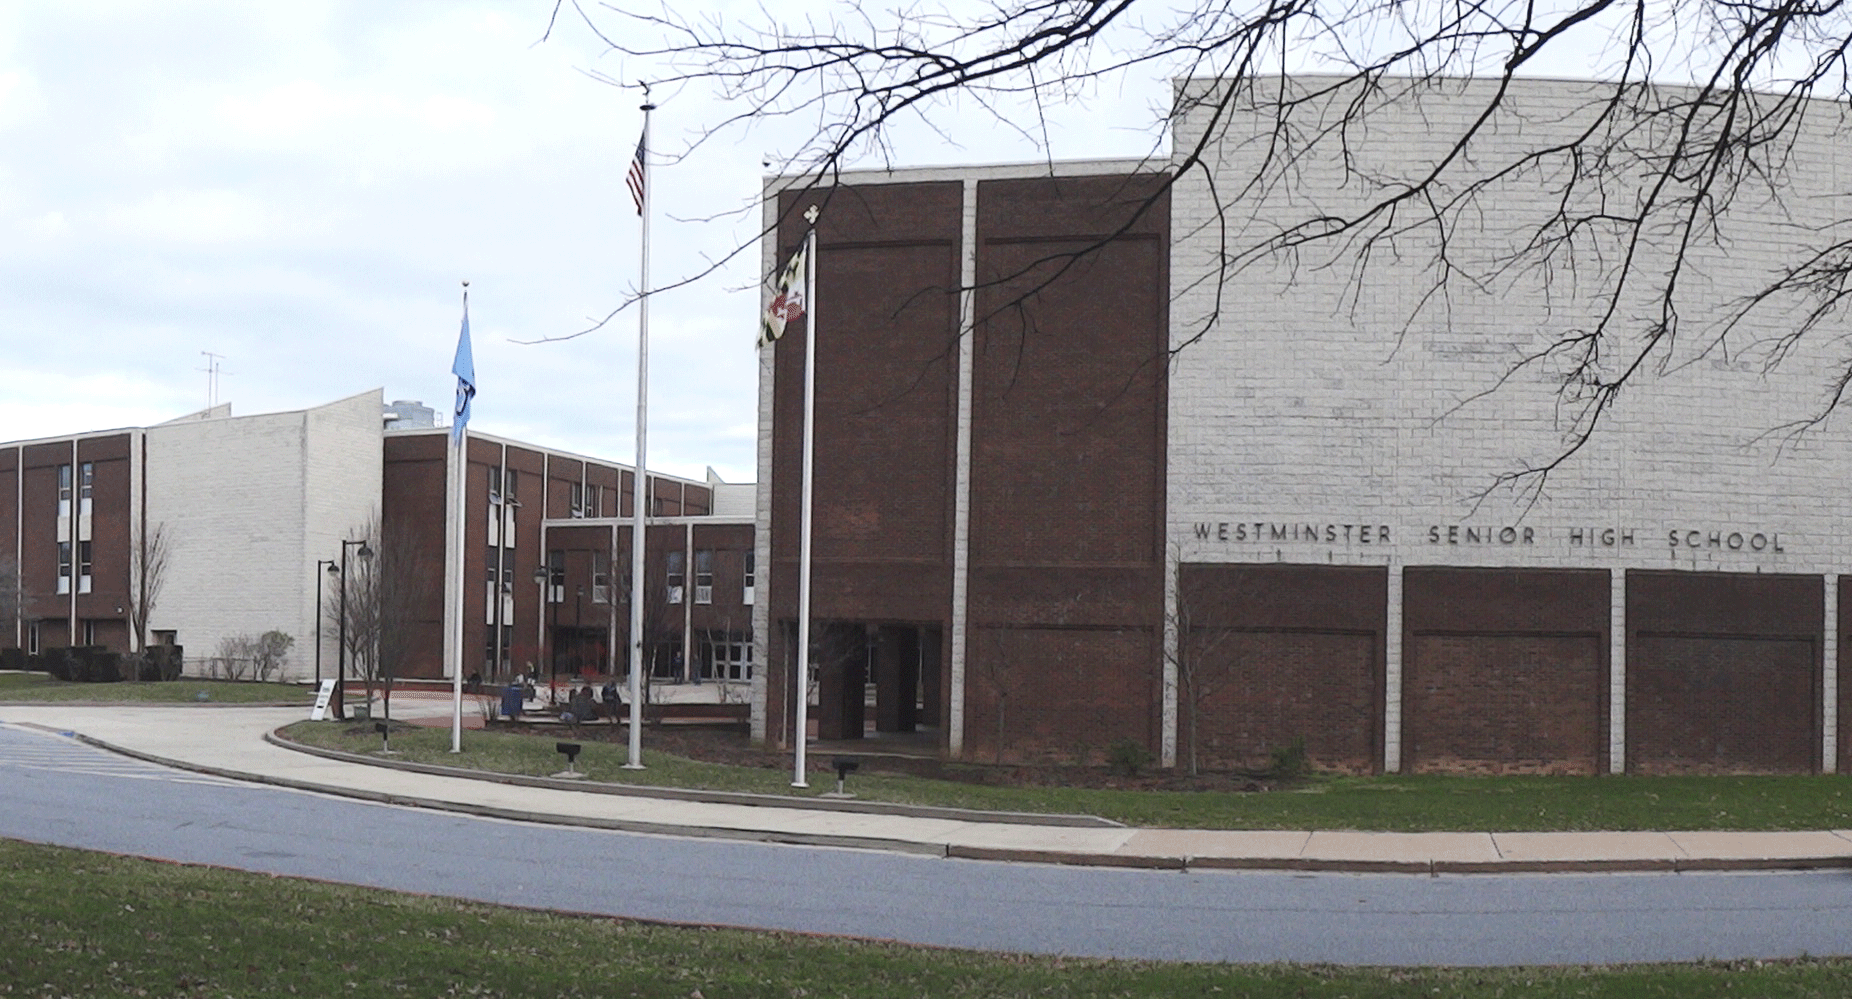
(340, 682)
(320, 565)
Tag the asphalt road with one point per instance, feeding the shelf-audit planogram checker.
(55, 790)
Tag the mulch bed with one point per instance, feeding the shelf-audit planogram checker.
(729, 746)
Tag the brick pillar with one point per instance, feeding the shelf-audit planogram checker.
(897, 678)
(932, 677)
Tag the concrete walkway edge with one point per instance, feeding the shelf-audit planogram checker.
(1063, 820)
(150, 738)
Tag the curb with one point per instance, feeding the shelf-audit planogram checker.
(522, 815)
(1067, 821)
(1180, 864)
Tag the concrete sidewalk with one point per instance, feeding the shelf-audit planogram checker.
(230, 741)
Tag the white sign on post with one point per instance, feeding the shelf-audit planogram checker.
(322, 697)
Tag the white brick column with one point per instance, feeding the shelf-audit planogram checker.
(1392, 675)
(1167, 737)
(1829, 678)
(1617, 671)
(961, 490)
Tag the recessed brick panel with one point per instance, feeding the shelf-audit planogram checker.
(1723, 672)
(1062, 694)
(1274, 653)
(1504, 704)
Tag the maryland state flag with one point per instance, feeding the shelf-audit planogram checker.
(787, 300)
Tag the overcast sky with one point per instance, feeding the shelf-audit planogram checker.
(301, 187)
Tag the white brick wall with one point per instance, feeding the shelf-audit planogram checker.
(250, 503)
(1330, 396)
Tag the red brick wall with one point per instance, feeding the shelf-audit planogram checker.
(9, 527)
(109, 535)
(1068, 444)
(412, 492)
(888, 272)
(1067, 465)
(1273, 653)
(1844, 666)
(1723, 672)
(1504, 670)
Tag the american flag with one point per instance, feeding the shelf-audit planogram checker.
(635, 178)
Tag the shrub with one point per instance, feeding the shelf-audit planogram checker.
(1127, 757)
(269, 653)
(1289, 760)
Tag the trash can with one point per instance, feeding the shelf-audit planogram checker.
(511, 701)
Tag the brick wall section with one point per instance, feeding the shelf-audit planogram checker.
(1505, 670)
(251, 502)
(1316, 396)
(109, 534)
(1274, 653)
(1844, 666)
(1067, 465)
(412, 513)
(1723, 672)
(885, 396)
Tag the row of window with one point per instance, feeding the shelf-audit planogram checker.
(83, 567)
(86, 480)
(501, 571)
(582, 499)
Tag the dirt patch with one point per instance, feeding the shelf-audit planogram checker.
(732, 747)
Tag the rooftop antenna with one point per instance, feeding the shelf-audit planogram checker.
(212, 377)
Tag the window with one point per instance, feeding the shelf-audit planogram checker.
(168, 637)
(751, 559)
(704, 577)
(32, 638)
(86, 478)
(89, 632)
(594, 501)
(495, 484)
(576, 500)
(83, 567)
(601, 577)
(64, 490)
(64, 565)
(508, 485)
(675, 577)
(725, 655)
(556, 575)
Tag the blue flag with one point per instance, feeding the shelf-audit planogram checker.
(465, 369)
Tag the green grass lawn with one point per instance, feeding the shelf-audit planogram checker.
(88, 924)
(40, 687)
(1409, 803)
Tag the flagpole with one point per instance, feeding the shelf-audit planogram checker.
(459, 450)
(640, 497)
(803, 543)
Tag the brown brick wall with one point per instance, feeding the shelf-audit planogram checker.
(1504, 670)
(1723, 672)
(886, 398)
(1067, 464)
(1068, 447)
(1274, 653)
(1063, 693)
(412, 491)
(1844, 666)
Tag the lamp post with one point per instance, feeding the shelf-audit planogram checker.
(578, 629)
(321, 565)
(540, 612)
(341, 641)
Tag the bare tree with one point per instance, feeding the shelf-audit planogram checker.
(1699, 110)
(149, 548)
(1202, 661)
(403, 594)
(386, 600)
